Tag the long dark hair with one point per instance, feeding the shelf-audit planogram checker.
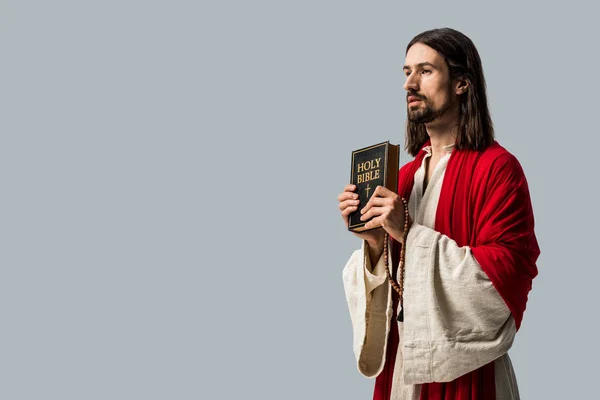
(475, 130)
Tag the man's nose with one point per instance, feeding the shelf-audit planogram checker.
(411, 84)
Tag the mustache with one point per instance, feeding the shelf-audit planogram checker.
(418, 96)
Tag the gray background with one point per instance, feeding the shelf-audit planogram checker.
(169, 174)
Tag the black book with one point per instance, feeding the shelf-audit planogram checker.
(371, 167)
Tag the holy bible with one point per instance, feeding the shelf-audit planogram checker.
(371, 167)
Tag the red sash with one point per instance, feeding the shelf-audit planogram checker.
(484, 204)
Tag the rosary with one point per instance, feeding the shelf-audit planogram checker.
(398, 286)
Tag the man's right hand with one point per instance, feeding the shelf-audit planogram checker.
(349, 203)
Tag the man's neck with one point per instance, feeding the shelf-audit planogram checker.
(442, 133)
(438, 142)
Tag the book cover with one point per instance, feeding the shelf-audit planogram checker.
(372, 166)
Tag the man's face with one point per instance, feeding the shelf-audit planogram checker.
(429, 89)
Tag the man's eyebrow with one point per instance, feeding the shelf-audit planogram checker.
(423, 64)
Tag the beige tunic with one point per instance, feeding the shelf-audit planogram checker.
(454, 319)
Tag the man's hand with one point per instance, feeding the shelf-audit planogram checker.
(387, 210)
(349, 203)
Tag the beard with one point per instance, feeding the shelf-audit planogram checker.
(427, 113)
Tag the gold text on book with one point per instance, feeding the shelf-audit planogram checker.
(368, 170)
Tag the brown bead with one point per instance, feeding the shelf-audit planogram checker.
(398, 286)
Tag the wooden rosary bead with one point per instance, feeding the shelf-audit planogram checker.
(398, 286)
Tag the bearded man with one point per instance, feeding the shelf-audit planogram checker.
(470, 252)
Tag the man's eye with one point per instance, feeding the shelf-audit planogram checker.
(425, 71)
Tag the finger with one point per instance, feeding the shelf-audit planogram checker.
(375, 202)
(374, 223)
(347, 211)
(350, 188)
(347, 203)
(382, 191)
(370, 202)
(347, 195)
(373, 212)
(379, 192)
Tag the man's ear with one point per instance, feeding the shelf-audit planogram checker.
(461, 87)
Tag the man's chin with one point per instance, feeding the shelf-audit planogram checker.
(419, 119)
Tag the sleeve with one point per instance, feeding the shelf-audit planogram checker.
(370, 305)
(505, 245)
(454, 319)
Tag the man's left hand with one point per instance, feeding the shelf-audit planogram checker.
(387, 210)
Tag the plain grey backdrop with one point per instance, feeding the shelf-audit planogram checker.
(169, 174)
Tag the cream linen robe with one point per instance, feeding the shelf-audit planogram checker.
(454, 319)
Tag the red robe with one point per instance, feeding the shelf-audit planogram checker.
(484, 204)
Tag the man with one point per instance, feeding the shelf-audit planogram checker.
(470, 252)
